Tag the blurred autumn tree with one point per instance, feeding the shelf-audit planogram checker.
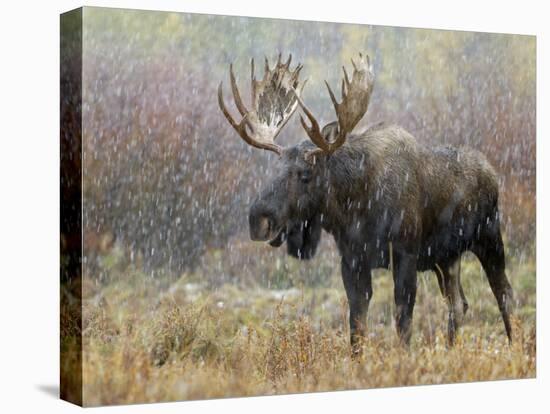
(167, 177)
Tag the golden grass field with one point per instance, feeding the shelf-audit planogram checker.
(149, 339)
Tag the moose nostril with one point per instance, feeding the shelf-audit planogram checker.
(264, 225)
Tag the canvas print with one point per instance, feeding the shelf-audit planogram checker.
(260, 206)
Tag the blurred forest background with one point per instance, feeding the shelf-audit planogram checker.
(167, 178)
(178, 303)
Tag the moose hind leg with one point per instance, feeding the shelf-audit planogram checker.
(454, 295)
(441, 284)
(490, 252)
(358, 284)
(465, 305)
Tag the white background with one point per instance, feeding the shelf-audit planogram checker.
(29, 204)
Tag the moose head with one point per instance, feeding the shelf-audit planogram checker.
(289, 207)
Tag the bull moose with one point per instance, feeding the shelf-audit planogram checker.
(388, 201)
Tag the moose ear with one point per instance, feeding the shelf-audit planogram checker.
(330, 131)
(303, 238)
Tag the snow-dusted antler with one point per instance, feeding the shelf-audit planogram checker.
(274, 100)
(355, 101)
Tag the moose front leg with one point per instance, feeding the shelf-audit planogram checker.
(404, 278)
(358, 284)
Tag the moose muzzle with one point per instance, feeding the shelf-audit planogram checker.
(263, 222)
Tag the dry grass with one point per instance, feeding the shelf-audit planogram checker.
(147, 340)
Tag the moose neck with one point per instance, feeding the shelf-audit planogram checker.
(347, 185)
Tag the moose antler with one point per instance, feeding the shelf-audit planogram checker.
(274, 100)
(355, 101)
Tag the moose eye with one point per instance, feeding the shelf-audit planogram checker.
(305, 176)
